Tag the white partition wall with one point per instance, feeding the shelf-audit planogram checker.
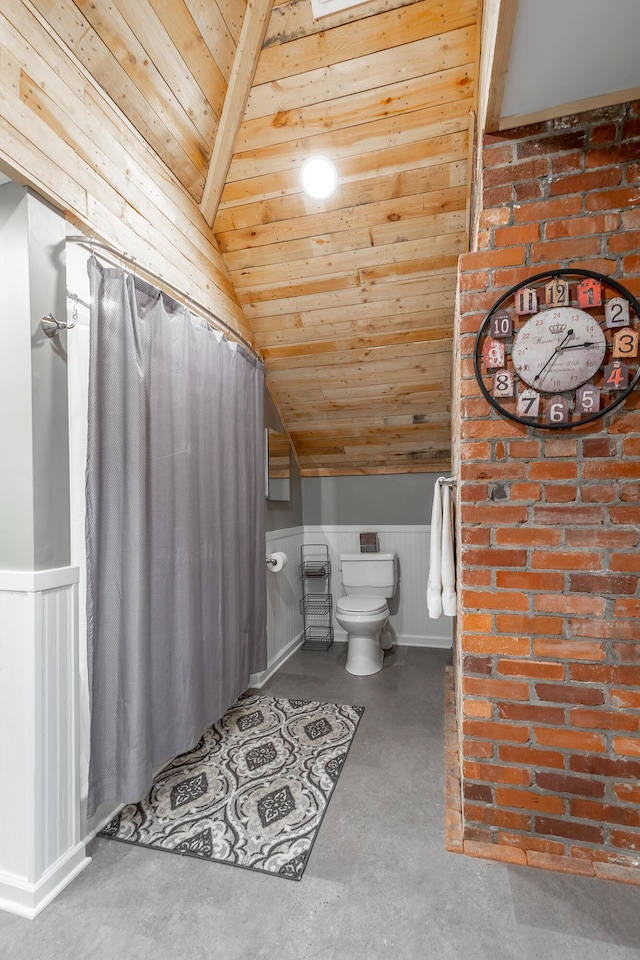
(40, 835)
(284, 619)
(40, 796)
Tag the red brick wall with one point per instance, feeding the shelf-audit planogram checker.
(548, 653)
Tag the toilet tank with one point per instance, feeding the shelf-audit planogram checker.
(369, 574)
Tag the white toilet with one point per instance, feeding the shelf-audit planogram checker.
(369, 580)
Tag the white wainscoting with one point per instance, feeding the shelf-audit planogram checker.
(409, 621)
(40, 846)
(284, 620)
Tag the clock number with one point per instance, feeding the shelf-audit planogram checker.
(501, 324)
(587, 399)
(557, 292)
(616, 375)
(557, 410)
(625, 343)
(526, 301)
(589, 293)
(528, 403)
(493, 354)
(502, 384)
(616, 312)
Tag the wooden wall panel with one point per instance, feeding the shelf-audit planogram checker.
(380, 26)
(62, 136)
(153, 121)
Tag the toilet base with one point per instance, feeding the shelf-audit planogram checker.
(364, 656)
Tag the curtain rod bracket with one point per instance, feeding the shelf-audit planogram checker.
(52, 327)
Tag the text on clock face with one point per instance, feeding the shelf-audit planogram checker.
(558, 349)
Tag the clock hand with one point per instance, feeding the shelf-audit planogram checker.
(556, 350)
(576, 346)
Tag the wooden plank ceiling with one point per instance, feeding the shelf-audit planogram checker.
(350, 300)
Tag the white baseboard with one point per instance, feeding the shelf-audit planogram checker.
(406, 640)
(259, 679)
(433, 643)
(29, 899)
(93, 828)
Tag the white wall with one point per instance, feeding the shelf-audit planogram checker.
(40, 846)
(34, 509)
(40, 835)
(564, 53)
(284, 619)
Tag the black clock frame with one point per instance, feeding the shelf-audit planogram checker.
(477, 356)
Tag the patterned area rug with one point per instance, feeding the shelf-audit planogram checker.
(254, 790)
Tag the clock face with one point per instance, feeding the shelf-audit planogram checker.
(559, 349)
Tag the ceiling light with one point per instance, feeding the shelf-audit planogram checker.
(319, 177)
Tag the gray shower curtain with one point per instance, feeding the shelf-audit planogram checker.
(176, 597)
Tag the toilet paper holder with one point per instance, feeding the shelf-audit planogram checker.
(276, 561)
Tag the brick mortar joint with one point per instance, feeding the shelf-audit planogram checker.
(553, 862)
(454, 839)
(510, 209)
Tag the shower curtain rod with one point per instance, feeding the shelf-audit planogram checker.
(106, 250)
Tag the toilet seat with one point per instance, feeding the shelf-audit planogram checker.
(361, 604)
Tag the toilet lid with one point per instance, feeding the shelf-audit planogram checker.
(356, 604)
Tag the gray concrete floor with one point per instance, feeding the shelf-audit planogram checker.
(379, 883)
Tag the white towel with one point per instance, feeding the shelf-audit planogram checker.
(441, 585)
(449, 599)
(434, 584)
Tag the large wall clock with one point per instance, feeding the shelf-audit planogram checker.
(559, 349)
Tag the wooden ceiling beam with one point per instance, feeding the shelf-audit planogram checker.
(254, 27)
(439, 463)
(499, 19)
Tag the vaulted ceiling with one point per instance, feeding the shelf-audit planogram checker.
(350, 300)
